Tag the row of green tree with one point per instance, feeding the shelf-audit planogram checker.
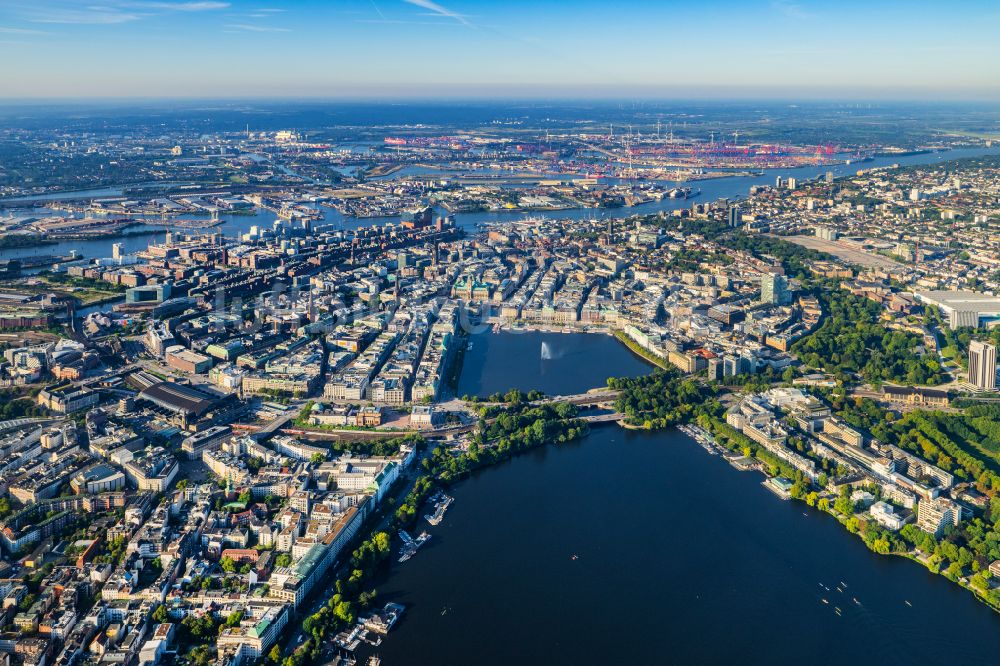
(341, 609)
(512, 397)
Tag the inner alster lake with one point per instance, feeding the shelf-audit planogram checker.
(680, 558)
(553, 363)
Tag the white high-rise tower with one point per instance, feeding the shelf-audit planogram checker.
(983, 365)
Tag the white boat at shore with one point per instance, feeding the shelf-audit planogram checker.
(699, 435)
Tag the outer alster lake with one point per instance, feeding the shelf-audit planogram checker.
(680, 558)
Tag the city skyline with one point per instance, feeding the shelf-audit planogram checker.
(460, 48)
(372, 332)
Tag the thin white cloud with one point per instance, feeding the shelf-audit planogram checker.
(21, 31)
(261, 13)
(89, 16)
(397, 22)
(247, 27)
(109, 13)
(264, 12)
(179, 6)
(438, 10)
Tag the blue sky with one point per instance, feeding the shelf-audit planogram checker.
(464, 48)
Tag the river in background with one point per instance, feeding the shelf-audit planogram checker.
(730, 187)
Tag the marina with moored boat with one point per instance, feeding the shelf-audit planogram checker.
(411, 545)
(441, 503)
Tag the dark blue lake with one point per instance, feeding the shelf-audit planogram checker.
(680, 558)
(553, 363)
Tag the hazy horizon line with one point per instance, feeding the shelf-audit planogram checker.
(857, 96)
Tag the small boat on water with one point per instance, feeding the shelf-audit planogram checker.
(908, 603)
(575, 558)
(825, 601)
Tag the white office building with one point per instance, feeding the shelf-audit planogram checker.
(982, 366)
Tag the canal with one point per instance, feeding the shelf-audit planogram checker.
(634, 547)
